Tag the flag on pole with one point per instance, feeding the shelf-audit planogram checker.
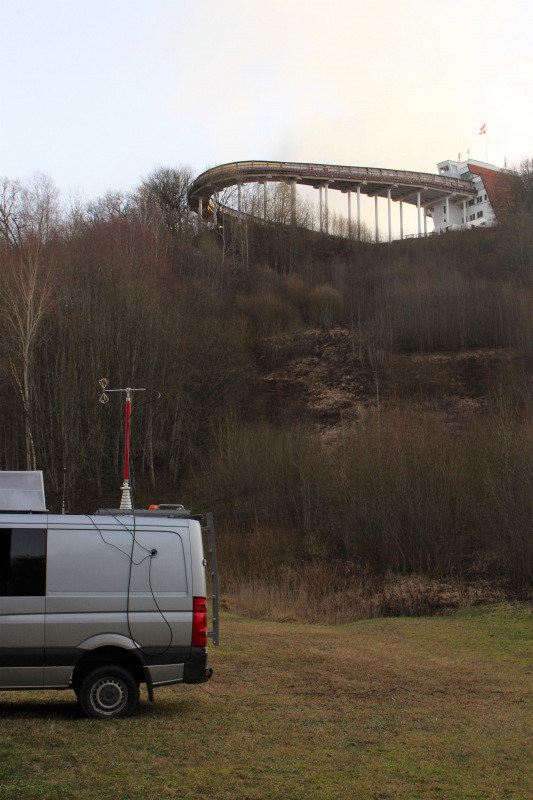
(483, 129)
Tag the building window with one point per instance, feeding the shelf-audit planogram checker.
(479, 214)
(471, 202)
(472, 216)
(479, 199)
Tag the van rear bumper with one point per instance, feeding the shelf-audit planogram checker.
(195, 670)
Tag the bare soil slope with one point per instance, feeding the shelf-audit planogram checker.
(330, 378)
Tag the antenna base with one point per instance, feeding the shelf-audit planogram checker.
(125, 503)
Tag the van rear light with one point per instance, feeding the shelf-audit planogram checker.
(199, 622)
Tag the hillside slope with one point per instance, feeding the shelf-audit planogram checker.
(326, 377)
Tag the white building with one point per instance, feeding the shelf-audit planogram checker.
(495, 188)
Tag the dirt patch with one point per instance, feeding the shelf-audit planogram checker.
(323, 377)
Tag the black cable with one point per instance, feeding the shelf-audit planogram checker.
(165, 620)
(129, 577)
(149, 554)
(145, 402)
(110, 544)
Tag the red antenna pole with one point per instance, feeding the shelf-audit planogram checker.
(127, 437)
(125, 503)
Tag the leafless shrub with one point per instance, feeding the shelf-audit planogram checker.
(326, 306)
(268, 313)
(404, 496)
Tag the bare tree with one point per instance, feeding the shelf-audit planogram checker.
(164, 192)
(524, 186)
(520, 220)
(111, 206)
(28, 220)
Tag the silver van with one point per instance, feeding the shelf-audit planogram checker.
(101, 603)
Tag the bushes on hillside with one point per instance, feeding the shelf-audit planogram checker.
(403, 494)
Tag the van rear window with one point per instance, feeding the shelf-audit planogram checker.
(22, 562)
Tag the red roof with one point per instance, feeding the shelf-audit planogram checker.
(501, 188)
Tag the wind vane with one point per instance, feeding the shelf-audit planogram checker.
(125, 503)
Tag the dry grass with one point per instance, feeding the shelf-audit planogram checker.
(395, 709)
(335, 594)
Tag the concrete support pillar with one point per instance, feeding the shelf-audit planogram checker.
(350, 214)
(358, 212)
(389, 209)
(200, 211)
(293, 202)
(320, 209)
(401, 219)
(376, 216)
(447, 212)
(326, 211)
(418, 212)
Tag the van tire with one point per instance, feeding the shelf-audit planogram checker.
(108, 692)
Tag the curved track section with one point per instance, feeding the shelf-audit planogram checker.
(417, 188)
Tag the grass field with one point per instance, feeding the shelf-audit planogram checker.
(436, 707)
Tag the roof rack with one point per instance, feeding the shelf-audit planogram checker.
(163, 510)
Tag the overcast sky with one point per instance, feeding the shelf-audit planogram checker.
(98, 94)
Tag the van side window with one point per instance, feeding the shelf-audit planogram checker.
(22, 562)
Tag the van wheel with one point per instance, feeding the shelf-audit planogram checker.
(108, 692)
